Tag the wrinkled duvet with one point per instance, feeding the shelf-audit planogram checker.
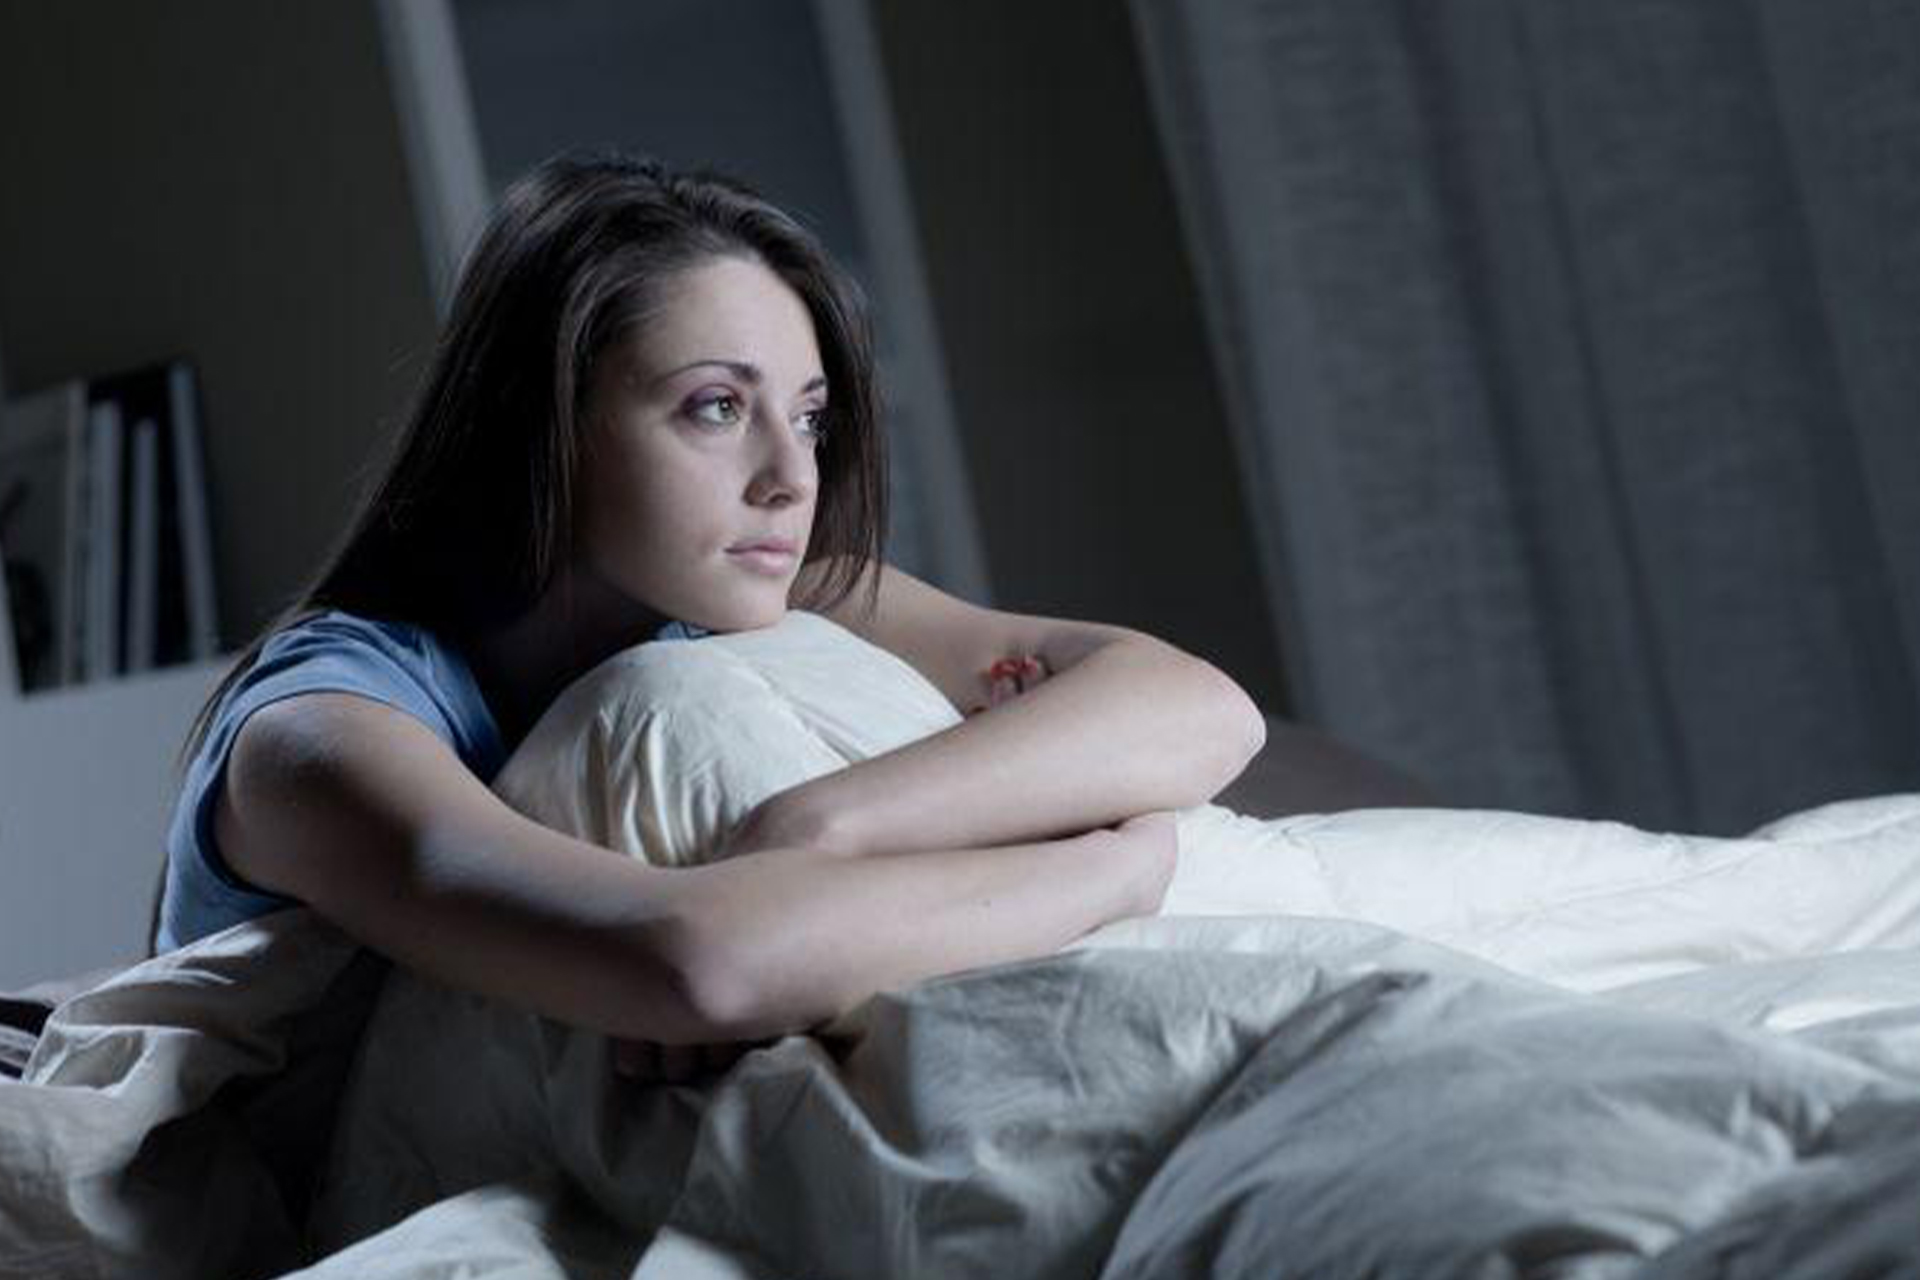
(1376, 1043)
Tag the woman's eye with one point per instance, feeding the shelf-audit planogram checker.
(716, 411)
(813, 425)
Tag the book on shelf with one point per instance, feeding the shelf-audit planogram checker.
(111, 569)
(140, 621)
(100, 549)
(9, 664)
(194, 534)
(42, 455)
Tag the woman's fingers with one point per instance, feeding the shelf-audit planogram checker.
(1156, 837)
(679, 1063)
(643, 1060)
(652, 1063)
(1010, 677)
(718, 1059)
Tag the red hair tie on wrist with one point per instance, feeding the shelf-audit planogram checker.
(1007, 669)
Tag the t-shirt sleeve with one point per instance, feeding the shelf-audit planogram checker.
(333, 654)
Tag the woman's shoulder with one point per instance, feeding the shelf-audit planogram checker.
(401, 663)
(336, 629)
(404, 645)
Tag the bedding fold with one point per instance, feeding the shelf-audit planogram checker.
(1400, 1043)
(169, 1120)
(1169, 1090)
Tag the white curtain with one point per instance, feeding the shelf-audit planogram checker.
(1574, 352)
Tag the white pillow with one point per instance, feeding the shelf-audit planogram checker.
(660, 750)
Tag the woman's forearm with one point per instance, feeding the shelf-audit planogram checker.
(1134, 726)
(795, 938)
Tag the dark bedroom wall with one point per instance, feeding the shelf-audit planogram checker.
(222, 179)
(642, 77)
(1094, 431)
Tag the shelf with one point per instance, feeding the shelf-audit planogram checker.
(87, 782)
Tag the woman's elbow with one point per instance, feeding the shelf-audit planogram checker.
(729, 989)
(1239, 729)
(666, 981)
(1253, 727)
(691, 982)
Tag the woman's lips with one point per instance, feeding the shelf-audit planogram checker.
(768, 560)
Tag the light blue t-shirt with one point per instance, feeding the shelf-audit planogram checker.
(396, 663)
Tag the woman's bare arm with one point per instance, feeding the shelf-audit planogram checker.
(361, 812)
(1125, 724)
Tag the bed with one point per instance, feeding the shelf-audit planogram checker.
(1375, 1042)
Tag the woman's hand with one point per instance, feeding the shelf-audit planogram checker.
(1152, 848)
(1102, 722)
(650, 1063)
(1008, 678)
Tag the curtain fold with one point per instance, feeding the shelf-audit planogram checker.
(1572, 357)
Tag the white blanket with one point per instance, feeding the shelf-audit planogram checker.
(1410, 1043)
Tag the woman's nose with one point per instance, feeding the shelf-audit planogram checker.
(785, 469)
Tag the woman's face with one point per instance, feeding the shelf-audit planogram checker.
(697, 483)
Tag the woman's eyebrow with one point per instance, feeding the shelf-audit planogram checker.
(744, 370)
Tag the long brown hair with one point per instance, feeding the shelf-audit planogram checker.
(472, 515)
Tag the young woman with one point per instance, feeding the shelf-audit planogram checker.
(651, 414)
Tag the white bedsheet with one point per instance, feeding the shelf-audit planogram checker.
(1281, 1096)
